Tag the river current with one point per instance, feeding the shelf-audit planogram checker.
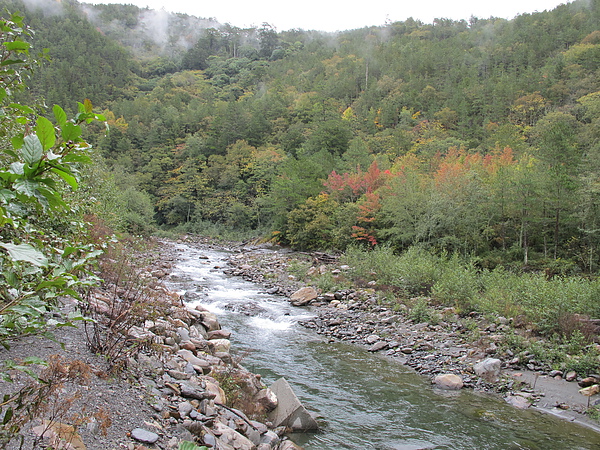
(361, 400)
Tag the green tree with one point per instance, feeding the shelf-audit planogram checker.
(556, 138)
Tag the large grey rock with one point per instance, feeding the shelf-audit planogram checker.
(380, 345)
(191, 391)
(289, 411)
(209, 321)
(288, 445)
(193, 359)
(488, 369)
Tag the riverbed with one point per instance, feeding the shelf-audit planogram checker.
(361, 400)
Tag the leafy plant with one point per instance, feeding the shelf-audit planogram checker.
(38, 261)
(420, 311)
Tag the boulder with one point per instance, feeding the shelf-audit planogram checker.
(215, 390)
(288, 445)
(219, 334)
(266, 398)
(488, 369)
(220, 345)
(379, 345)
(189, 390)
(193, 359)
(289, 411)
(448, 381)
(304, 296)
(230, 437)
(571, 376)
(517, 401)
(209, 321)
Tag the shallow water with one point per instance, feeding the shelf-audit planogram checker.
(362, 400)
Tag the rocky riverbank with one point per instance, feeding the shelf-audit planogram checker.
(167, 377)
(183, 382)
(454, 352)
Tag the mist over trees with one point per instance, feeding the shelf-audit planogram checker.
(479, 137)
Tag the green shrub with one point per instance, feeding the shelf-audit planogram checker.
(457, 286)
(417, 270)
(420, 311)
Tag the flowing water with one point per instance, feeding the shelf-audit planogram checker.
(362, 400)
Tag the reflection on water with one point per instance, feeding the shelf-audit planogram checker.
(362, 400)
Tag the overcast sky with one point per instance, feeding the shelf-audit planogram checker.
(334, 15)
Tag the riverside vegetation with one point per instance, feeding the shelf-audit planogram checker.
(59, 264)
(453, 164)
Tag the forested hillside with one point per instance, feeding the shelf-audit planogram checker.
(478, 136)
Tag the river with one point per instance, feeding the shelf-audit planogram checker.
(362, 400)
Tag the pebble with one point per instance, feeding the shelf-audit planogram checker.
(144, 436)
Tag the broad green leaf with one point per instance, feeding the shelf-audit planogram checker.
(52, 198)
(35, 360)
(60, 282)
(11, 278)
(70, 131)
(60, 115)
(32, 149)
(26, 253)
(70, 179)
(17, 141)
(48, 182)
(72, 157)
(8, 62)
(17, 45)
(22, 108)
(45, 132)
(187, 445)
(68, 251)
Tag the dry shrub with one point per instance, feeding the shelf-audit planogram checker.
(46, 397)
(127, 298)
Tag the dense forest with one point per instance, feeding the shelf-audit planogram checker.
(478, 137)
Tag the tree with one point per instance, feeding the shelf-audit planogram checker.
(556, 137)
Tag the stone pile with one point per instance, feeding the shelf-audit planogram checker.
(188, 371)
